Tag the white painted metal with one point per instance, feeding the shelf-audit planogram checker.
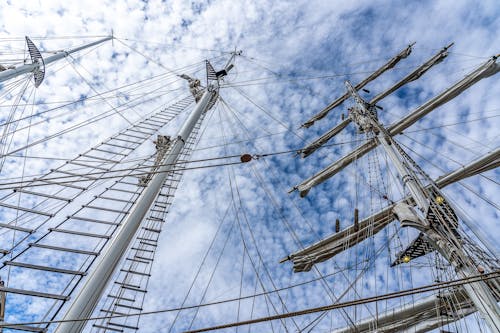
(489, 68)
(334, 244)
(91, 292)
(390, 64)
(407, 177)
(28, 68)
(478, 292)
(310, 148)
(420, 316)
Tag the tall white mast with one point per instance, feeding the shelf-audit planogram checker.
(436, 219)
(91, 292)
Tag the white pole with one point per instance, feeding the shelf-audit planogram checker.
(478, 292)
(86, 301)
(28, 68)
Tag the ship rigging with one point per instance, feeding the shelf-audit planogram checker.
(80, 241)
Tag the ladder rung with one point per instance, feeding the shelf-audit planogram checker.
(137, 131)
(113, 199)
(122, 325)
(115, 145)
(129, 141)
(139, 249)
(25, 328)
(40, 194)
(159, 205)
(108, 151)
(154, 129)
(147, 243)
(171, 111)
(148, 239)
(168, 112)
(152, 230)
(98, 158)
(114, 312)
(74, 174)
(156, 118)
(88, 219)
(106, 209)
(131, 287)
(137, 260)
(107, 328)
(159, 116)
(122, 190)
(128, 183)
(15, 227)
(64, 249)
(6, 205)
(88, 166)
(128, 306)
(33, 293)
(66, 184)
(44, 268)
(134, 272)
(79, 233)
(121, 297)
(133, 136)
(144, 258)
(153, 218)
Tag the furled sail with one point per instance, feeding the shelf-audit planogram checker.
(420, 316)
(329, 247)
(489, 68)
(417, 73)
(390, 64)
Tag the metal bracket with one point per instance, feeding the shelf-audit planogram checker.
(408, 217)
(163, 143)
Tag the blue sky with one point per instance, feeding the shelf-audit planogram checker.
(298, 55)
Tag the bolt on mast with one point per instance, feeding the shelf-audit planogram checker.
(436, 219)
(91, 292)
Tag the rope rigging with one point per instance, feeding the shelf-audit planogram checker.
(250, 258)
(414, 291)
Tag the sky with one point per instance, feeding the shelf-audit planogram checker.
(230, 224)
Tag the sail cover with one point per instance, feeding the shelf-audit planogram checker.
(491, 67)
(417, 73)
(390, 64)
(327, 248)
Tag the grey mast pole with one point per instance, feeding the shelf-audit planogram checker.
(86, 301)
(478, 292)
(28, 68)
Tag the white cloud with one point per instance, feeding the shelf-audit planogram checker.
(295, 39)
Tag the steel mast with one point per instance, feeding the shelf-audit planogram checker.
(436, 219)
(88, 297)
